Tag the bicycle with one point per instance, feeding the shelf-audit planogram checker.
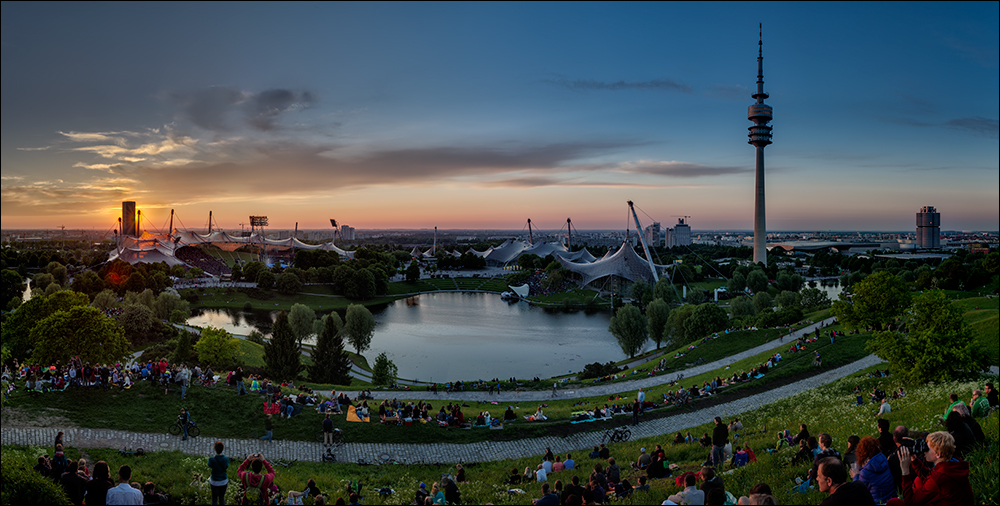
(338, 437)
(617, 435)
(285, 463)
(127, 452)
(209, 383)
(329, 456)
(176, 429)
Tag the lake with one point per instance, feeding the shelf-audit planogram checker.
(449, 336)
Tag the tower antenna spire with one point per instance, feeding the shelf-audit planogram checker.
(760, 136)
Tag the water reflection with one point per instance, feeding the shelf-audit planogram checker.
(448, 336)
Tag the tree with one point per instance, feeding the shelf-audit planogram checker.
(384, 372)
(167, 302)
(253, 269)
(762, 301)
(787, 299)
(664, 289)
(301, 318)
(16, 333)
(282, 351)
(288, 283)
(629, 327)
(136, 320)
(80, 330)
(696, 297)
(742, 307)
(331, 364)
(657, 314)
(182, 352)
(938, 345)
(877, 300)
(413, 272)
(704, 320)
(216, 347)
(265, 280)
(790, 281)
(675, 324)
(757, 281)
(11, 287)
(814, 297)
(641, 293)
(105, 300)
(737, 283)
(359, 327)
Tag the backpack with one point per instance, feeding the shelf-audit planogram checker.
(254, 495)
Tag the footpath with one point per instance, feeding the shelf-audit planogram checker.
(413, 453)
(577, 392)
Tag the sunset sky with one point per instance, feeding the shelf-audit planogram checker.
(482, 115)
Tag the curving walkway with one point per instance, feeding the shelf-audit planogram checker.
(444, 452)
(596, 390)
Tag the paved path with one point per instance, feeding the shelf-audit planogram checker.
(596, 390)
(444, 452)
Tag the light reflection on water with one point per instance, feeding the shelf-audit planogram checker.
(449, 336)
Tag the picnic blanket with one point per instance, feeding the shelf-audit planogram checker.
(352, 415)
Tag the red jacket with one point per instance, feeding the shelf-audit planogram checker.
(948, 483)
(251, 480)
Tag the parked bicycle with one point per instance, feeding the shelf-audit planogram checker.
(285, 463)
(618, 435)
(329, 456)
(127, 452)
(176, 429)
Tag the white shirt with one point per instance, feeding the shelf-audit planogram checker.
(540, 475)
(124, 494)
(884, 409)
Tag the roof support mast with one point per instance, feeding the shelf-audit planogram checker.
(638, 231)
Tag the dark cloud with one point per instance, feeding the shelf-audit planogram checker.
(978, 125)
(212, 107)
(590, 84)
(265, 107)
(680, 169)
(286, 168)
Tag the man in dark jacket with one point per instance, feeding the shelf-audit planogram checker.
(720, 437)
(832, 479)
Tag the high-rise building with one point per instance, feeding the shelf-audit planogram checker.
(346, 233)
(652, 234)
(129, 225)
(928, 228)
(682, 233)
(760, 136)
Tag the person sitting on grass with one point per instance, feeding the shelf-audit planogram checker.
(874, 472)
(256, 484)
(946, 483)
(690, 494)
(760, 494)
(547, 499)
(831, 478)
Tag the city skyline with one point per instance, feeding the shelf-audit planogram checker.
(480, 116)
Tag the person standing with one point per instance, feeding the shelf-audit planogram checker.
(184, 419)
(184, 377)
(327, 430)
(268, 429)
(720, 438)
(124, 493)
(241, 389)
(636, 408)
(219, 479)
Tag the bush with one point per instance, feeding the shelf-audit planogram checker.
(599, 370)
(21, 484)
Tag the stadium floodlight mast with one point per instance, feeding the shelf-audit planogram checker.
(257, 224)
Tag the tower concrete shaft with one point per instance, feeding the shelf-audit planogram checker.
(760, 136)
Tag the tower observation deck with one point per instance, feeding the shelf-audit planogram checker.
(760, 136)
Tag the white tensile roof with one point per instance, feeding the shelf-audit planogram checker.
(153, 248)
(623, 263)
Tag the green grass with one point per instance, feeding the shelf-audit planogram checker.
(984, 321)
(825, 409)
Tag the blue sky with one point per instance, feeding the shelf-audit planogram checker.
(483, 115)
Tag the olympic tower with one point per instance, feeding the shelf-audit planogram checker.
(760, 136)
